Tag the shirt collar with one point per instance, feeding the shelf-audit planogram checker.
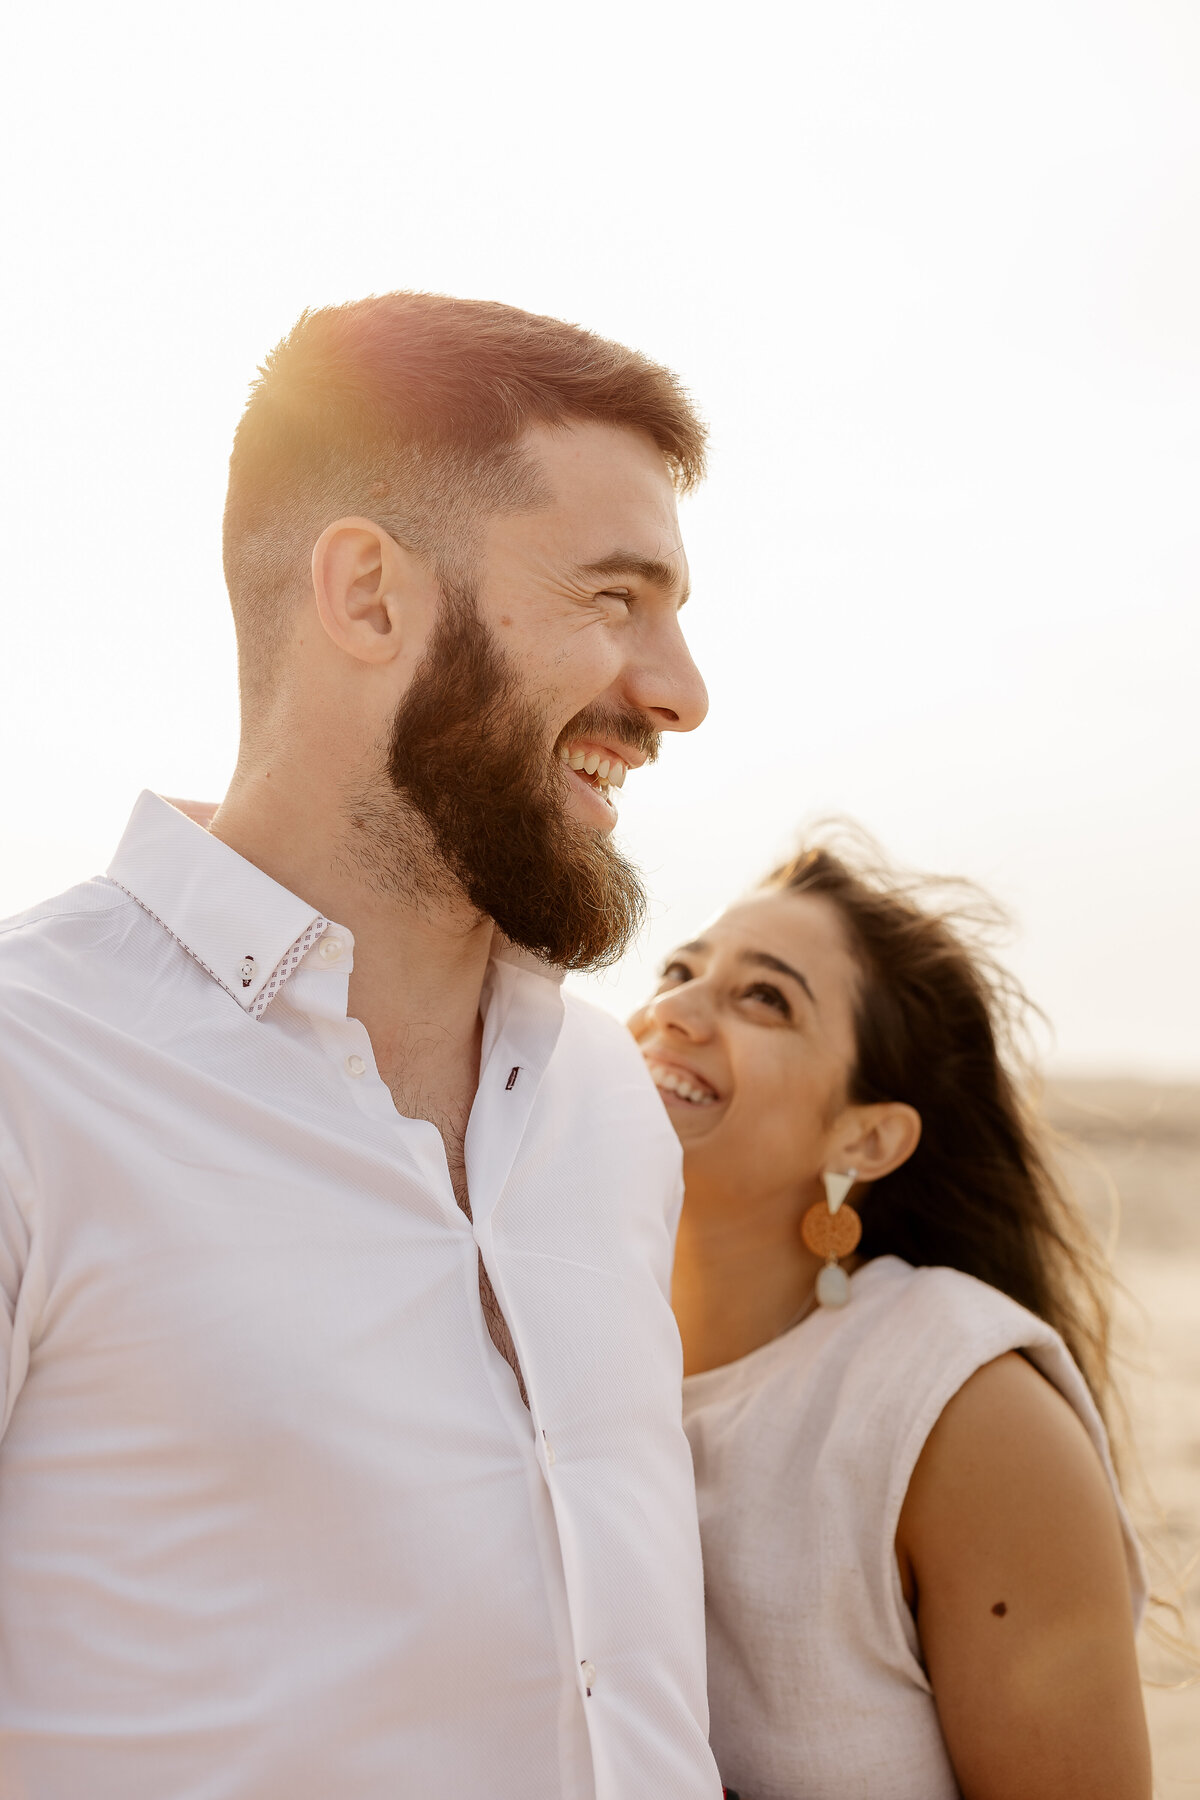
(243, 929)
(505, 951)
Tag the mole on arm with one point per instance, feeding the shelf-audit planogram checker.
(1000, 1609)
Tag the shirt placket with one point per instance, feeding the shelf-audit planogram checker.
(502, 1115)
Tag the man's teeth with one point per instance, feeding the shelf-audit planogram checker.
(591, 762)
(676, 1082)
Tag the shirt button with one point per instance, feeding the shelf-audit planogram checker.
(330, 949)
(355, 1066)
(588, 1671)
(551, 1459)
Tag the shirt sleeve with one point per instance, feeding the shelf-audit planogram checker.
(675, 1210)
(15, 1239)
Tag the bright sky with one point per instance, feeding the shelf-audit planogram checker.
(932, 272)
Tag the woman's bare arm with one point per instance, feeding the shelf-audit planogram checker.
(1011, 1555)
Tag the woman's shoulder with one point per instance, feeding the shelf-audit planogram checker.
(905, 1340)
(946, 1297)
(925, 1332)
(949, 1323)
(879, 1370)
(939, 1357)
(1005, 1402)
(936, 1326)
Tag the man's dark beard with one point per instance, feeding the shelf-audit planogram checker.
(468, 753)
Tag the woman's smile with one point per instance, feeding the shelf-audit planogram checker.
(679, 1083)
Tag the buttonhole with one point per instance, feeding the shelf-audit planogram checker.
(512, 1078)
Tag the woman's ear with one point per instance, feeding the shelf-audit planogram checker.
(877, 1139)
(374, 598)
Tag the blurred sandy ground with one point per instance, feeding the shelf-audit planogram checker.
(1132, 1151)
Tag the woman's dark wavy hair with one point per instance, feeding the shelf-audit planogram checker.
(937, 1026)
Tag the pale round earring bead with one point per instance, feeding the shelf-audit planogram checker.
(833, 1286)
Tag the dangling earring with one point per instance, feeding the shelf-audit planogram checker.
(831, 1231)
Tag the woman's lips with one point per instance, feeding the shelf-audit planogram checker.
(677, 1083)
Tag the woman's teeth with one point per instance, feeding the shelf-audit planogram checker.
(676, 1082)
(608, 770)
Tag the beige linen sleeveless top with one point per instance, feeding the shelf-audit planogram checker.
(803, 1454)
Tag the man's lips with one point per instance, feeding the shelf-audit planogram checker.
(597, 769)
(631, 757)
(594, 792)
(600, 761)
(679, 1081)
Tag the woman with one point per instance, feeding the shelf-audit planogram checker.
(921, 1581)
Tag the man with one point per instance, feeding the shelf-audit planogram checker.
(342, 1456)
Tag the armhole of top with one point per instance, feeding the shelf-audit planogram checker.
(1011, 1328)
(996, 1338)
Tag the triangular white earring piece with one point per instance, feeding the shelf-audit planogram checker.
(837, 1186)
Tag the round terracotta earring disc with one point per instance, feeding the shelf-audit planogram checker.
(831, 1234)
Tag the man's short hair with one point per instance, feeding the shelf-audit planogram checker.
(410, 409)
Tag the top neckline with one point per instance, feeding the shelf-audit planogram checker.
(863, 1277)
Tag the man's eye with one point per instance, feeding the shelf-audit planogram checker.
(616, 594)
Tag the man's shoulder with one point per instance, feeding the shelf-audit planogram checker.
(36, 940)
(599, 1047)
(59, 967)
(608, 1098)
(86, 900)
(591, 1026)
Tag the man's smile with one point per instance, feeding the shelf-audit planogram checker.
(595, 769)
(608, 769)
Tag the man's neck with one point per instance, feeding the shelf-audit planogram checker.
(741, 1277)
(420, 954)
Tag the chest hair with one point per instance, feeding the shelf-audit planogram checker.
(450, 1116)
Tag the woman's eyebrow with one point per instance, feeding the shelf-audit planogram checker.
(762, 959)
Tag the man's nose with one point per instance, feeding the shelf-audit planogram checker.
(668, 686)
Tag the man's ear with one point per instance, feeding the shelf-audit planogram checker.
(877, 1139)
(374, 597)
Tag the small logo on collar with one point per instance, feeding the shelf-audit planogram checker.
(247, 971)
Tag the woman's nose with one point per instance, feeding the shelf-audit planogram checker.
(683, 1009)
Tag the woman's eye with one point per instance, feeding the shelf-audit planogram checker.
(672, 974)
(769, 996)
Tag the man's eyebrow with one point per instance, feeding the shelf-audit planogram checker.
(763, 959)
(651, 569)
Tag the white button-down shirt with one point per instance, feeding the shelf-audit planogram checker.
(274, 1521)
